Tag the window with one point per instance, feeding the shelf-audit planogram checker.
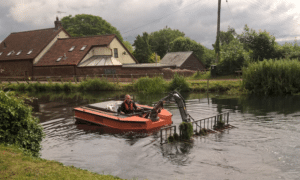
(11, 52)
(83, 48)
(72, 48)
(1, 53)
(116, 52)
(30, 51)
(58, 59)
(19, 53)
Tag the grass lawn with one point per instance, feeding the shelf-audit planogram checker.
(15, 165)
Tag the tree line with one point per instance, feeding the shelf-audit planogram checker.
(236, 50)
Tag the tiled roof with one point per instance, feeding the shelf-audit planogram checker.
(62, 47)
(176, 58)
(25, 41)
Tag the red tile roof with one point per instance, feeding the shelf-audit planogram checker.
(62, 46)
(25, 41)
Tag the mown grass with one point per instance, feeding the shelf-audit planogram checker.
(15, 165)
(272, 77)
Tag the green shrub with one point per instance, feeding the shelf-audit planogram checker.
(203, 132)
(68, 87)
(18, 126)
(171, 139)
(186, 130)
(96, 84)
(56, 87)
(272, 77)
(150, 85)
(179, 83)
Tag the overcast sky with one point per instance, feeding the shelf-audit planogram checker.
(196, 18)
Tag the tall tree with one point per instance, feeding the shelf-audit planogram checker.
(142, 50)
(262, 44)
(160, 40)
(186, 44)
(88, 25)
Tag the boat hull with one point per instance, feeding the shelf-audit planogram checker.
(121, 122)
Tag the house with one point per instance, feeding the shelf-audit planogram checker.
(101, 54)
(21, 50)
(183, 60)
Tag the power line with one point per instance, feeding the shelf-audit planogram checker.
(160, 18)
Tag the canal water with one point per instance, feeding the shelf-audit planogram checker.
(264, 145)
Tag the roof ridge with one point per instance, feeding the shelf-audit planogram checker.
(34, 30)
(87, 36)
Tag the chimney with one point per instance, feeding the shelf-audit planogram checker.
(57, 24)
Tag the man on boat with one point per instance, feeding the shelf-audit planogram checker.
(128, 106)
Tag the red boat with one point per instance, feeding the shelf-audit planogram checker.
(146, 118)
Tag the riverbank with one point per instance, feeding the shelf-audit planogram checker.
(15, 165)
(144, 85)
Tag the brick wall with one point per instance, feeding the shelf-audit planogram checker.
(54, 71)
(15, 68)
(193, 63)
(91, 71)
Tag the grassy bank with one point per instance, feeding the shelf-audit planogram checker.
(15, 165)
(144, 85)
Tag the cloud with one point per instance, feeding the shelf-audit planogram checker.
(196, 18)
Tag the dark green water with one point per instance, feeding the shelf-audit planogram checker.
(265, 144)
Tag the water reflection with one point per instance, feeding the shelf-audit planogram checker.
(264, 145)
(177, 153)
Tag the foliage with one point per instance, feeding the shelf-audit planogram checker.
(153, 58)
(203, 132)
(150, 85)
(232, 58)
(201, 75)
(209, 57)
(179, 83)
(272, 77)
(171, 139)
(288, 51)
(142, 50)
(88, 25)
(261, 44)
(15, 165)
(128, 46)
(18, 126)
(227, 37)
(96, 84)
(160, 40)
(186, 130)
(186, 44)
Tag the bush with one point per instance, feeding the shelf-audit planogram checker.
(179, 83)
(96, 84)
(272, 77)
(150, 85)
(18, 126)
(186, 130)
(232, 58)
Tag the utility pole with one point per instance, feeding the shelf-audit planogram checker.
(218, 31)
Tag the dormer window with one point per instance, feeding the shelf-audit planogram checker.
(10, 53)
(1, 53)
(72, 48)
(58, 59)
(30, 51)
(83, 47)
(18, 53)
